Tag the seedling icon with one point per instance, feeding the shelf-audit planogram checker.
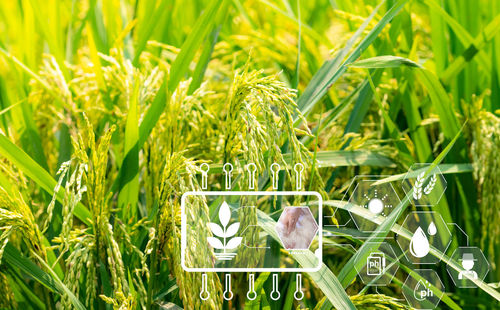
(224, 232)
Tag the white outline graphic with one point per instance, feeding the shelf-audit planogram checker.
(274, 173)
(434, 259)
(298, 168)
(204, 294)
(299, 294)
(481, 274)
(275, 294)
(228, 294)
(251, 294)
(318, 253)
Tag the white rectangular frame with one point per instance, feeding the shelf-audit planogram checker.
(318, 254)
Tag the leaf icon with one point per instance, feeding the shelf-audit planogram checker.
(215, 243)
(224, 214)
(232, 230)
(233, 243)
(216, 229)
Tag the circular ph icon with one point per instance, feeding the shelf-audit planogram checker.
(423, 289)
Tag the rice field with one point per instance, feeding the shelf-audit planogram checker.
(111, 111)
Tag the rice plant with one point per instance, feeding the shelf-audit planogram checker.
(109, 109)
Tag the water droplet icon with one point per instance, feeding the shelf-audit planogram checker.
(418, 289)
(419, 245)
(432, 230)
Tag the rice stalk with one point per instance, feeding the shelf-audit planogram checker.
(484, 150)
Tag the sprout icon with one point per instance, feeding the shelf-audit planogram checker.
(225, 233)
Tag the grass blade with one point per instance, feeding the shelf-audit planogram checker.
(348, 272)
(14, 258)
(178, 70)
(324, 278)
(387, 61)
(479, 43)
(360, 211)
(331, 70)
(128, 196)
(35, 172)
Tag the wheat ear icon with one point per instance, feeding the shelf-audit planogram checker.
(430, 186)
(419, 183)
(417, 188)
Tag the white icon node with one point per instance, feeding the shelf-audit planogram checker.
(228, 294)
(228, 168)
(427, 230)
(226, 233)
(298, 168)
(425, 289)
(379, 267)
(251, 168)
(204, 294)
(275, 169)
(204, 175)
(425, 187)
(275, 294)
(251, 294)
(472, 267)
(376, 200)
(298, 294)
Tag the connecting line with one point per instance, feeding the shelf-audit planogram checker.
(333, 225)
(463, 232)
(330, 234)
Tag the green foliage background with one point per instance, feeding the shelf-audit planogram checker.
(108, 107)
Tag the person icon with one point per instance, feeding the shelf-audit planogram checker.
(468, 263)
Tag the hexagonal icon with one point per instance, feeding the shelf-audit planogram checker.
(423, 289)
(425, 188)
(473, 266)
(379, 267)
(296, 228)
(371, 202)
(423, 233)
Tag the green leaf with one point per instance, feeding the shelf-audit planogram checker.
(387, 61)
(15, 259)
(362, 212)
(324, 278)
(461, 32)
(488, 33)
(178, 70)
(35, 172)
(348, 272)
(129, 193)
(444, 107)
(201, 66)
(332, 69)
(444, 168)
(350, 158)
(147, 25)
